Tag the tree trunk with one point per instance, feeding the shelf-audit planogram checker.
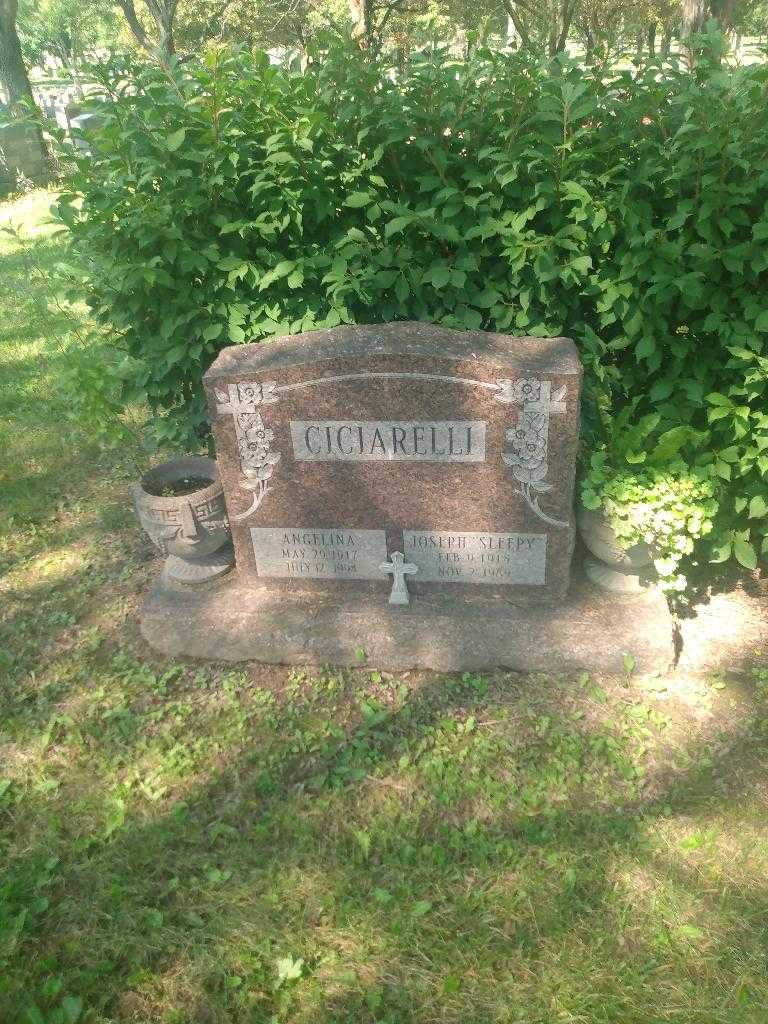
(652, 39)
(163, 13)
(725, 15)
(23, 145)
(666, 41)
(513, 36)
(13, 74)
(567, 10)
(360, 13)
(589, 46)
(128, 9)
(552, 41)
(560, 27)
(639, 43)
(519, 25)
(694, 15)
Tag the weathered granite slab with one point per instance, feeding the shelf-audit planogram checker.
(455, 448)
(447, 630)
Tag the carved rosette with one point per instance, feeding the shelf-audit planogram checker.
(529, 438)
(243, 402)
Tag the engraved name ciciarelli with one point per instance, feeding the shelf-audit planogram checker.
(388, 440)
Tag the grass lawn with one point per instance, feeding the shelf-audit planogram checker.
(189, 844)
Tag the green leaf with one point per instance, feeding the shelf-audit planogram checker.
(721, 552)
(280, 158)
(761, 324)
(730, 454)
(718, 413)
(590, 499)
(283, 269)
(574, 190)
(581, 264)
(115, 815)
(175, 354)
(395, 225)
(670, 443)
(441, 275)
(486, 298)
(288, 969)
(645, 347)
(745, 553)
(358, 199)
(231, 263)
(212, 331)
(175, 139)
(72, 1007)
(758, 507)
(689, 931)
(236, 334)
(421, 908)
(715, 398)
(402, 288)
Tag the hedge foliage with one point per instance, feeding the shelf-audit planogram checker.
(228, 201)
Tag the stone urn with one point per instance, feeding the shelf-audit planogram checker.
(181, 506)
(613, 567)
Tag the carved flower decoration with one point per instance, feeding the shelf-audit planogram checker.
(259, 434)
(529, 446)
(516, 392)
(526, 390)
(252, 453)
(258, 394)
(256, 460)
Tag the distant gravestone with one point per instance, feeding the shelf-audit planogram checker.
(401, 496)
(21, 156)
(338, 449)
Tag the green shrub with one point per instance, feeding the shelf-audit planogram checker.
(231, 201)
(667, 509)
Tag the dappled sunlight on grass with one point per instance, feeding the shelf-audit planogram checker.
(32, 212)
(214, 830)
(186, 844)
(408, 854)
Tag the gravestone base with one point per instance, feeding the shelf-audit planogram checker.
(231, 621)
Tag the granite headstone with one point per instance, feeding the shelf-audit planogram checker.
(340, 450)
(401, 496)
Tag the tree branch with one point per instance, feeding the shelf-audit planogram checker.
(126, 6)
(520, 26)
(568, 11)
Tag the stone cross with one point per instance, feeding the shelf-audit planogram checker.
(399, 569)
